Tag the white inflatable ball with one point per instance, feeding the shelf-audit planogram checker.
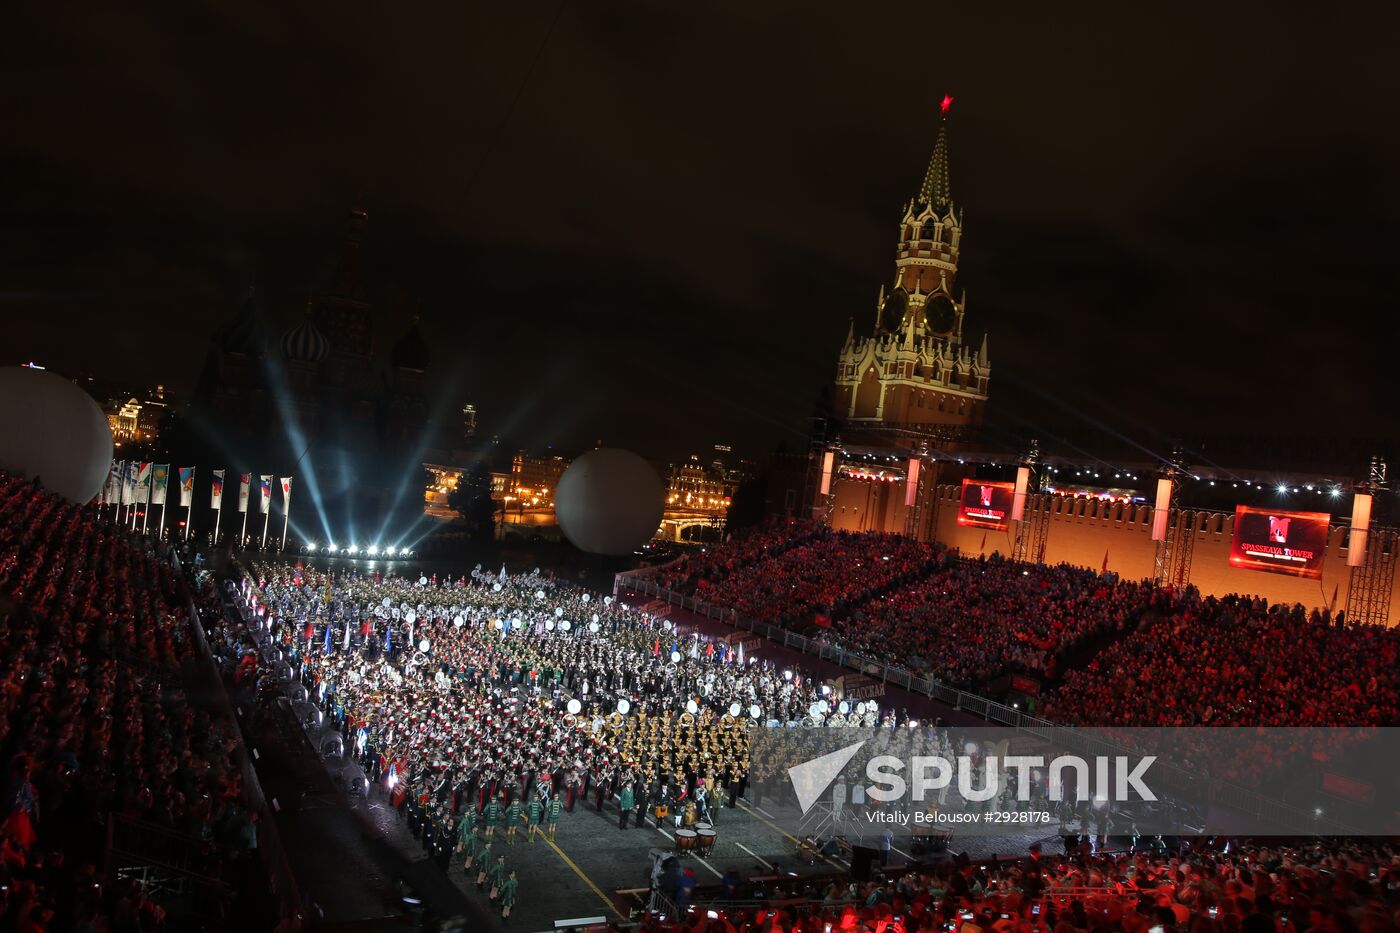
(609, 501)
(53, 430)
(575, 707)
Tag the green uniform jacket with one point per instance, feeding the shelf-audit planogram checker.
(471, 844)
(493, 813)
(495, 871)
(508, 891)
(625, 799)
(466, 826)
(535, 810)
(513, 814)
(556, 807)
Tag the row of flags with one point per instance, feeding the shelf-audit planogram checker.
(136, 483)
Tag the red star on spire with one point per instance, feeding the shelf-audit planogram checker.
(947, 103)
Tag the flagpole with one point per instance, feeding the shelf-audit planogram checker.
(267, 517)
(286, 515)
(218, 516)
(244, 536)
(189, 515)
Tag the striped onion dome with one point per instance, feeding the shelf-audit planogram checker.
(305, 343)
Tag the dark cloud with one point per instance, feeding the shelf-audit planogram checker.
(1175, 221)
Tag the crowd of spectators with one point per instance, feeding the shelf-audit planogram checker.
(1321, 887)
(1238, 661)
(971, 621)
(710, 566)
(788, 582)
(95, 720)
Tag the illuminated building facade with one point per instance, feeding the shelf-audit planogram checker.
(693, 485)
(533, 480)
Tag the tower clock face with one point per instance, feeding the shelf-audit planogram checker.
(895, 304)
(941, 314)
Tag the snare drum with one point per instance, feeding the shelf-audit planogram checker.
(685, 839)
(705, 839)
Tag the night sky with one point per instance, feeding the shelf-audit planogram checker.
(1183, 223)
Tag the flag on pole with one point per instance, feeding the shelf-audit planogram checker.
(1105, 561)
(346, 645)
(265, 480)
(388, 635)
(186, 486)
(1332, 606)
(160, 481)
(656, 648)
(143, 482)
(112, 492)
(243, 491)
(127, 479)
(286, 491)
(216, 491)
(326, 647)
(741, 653)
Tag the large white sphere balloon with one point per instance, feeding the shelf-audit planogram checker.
(52, 429)
(609, 501)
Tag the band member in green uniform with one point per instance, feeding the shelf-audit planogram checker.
(466, 826)
(512, 821)
(508, 888)
(533, 812)
(625, 803)
(483, 861)
(471, 845)
(495, 875)
(556, 807)
(493, 815)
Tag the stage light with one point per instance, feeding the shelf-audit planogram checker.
(1336, 491)
(330, 546)
(373, 550)
(310, 548)
(1282, 489)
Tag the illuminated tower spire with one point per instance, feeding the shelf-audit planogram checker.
(935, 188)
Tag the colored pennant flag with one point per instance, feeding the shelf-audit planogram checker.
(656, 648)
(143, 482)
(741, 653)
(1105, 561)
(216, 491)
(326, 647)
(186, 486)
(265, 480)
(112, 491)
(286, 491)
(243, 481)
(160, 481)
(346, 645)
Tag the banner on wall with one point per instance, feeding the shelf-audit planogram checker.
(1292, 543)
(986, 504)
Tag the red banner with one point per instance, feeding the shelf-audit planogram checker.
(1280, 542)
(986, 504)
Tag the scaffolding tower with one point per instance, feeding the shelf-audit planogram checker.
(1034, 526)
(1172, 562)
(1369, 590)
